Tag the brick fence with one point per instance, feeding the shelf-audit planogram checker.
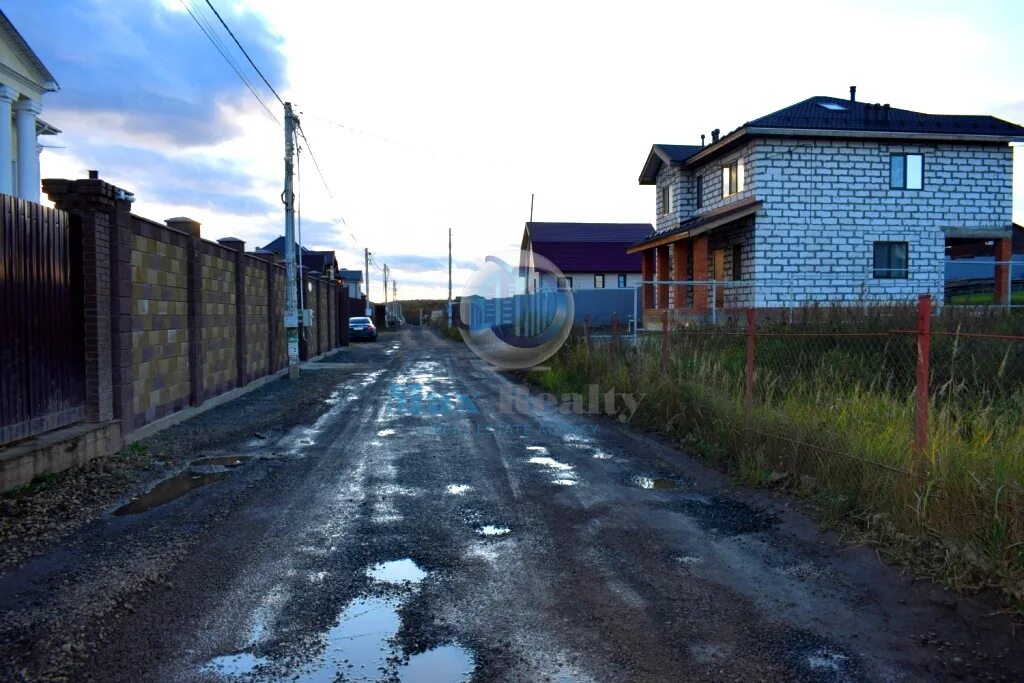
(173, 320)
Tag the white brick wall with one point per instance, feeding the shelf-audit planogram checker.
(827, 202)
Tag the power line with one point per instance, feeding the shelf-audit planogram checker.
(253, 64)
(223, 53)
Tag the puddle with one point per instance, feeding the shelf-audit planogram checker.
(357, 646)
(397, 572)
(538, 449)
(552, 463)
(457, 489)
(689, 559)
(492, 530)
(601, 455)
(168, 490)
(654, 483)
(725, 516)
(444, 664)
(386, 432)
(222, 461)
(564, 482)
(823, 660)
(241, 664)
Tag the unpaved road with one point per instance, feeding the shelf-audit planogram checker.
(426, 530)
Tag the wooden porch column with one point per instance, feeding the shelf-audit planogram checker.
(663, 274)
(680, 266)
(700, 272)
(647, 274)
(1004, 252)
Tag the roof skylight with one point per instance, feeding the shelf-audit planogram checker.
(834, 106)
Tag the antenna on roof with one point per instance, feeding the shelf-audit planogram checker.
(702, 139)
(853, 93)
(531, 207)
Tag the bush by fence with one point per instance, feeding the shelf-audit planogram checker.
(912, 424)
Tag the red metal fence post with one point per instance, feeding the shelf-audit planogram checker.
(924, 334)
(748, 397)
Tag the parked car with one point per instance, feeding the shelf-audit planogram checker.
(361, 327)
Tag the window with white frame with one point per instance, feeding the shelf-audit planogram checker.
(666, 200)
(732, 178)
(622, 280)
(906, 171)
(598, 281)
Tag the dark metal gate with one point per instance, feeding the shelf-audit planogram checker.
(42, 384)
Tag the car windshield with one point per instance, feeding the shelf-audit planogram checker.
(359, 321)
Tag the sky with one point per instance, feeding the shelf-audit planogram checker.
(425, 117)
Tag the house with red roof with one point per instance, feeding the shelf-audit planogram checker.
(590, 255)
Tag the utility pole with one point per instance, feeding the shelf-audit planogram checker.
(394, 290)
(449, 264)
(385, 286)
(366, 264)
(531, 207)
(291, 312)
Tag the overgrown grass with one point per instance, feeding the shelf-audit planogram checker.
(833, 418)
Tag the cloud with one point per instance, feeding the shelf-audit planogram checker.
(415, 263)
(149, 65)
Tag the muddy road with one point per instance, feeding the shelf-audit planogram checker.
(437, 524)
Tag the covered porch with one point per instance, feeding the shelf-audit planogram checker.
(984, 267)
(700, 269)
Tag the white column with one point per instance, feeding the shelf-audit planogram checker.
(25, 112)
(7, 97)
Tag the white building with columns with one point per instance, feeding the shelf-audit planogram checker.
(23, 82)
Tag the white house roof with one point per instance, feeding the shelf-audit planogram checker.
(31, 59)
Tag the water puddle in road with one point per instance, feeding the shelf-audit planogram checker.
(552, 463)
(168, 490)
(823, 660)
(444, 664)
(222, 461)
(492, 530)
(386, 432)
(564, 482)
(457, 489)
(237, 665)
(600, 455)
(357, 646)
(538, 449)
(654, 483)
(397, 572)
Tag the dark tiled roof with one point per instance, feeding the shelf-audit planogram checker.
(665, 154)
(618, 233)
(351, 275)
(864, 116)
(712, 219)
(589, 257)
(589, 247)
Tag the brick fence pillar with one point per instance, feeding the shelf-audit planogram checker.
(241, 319)
(103, 212)
(195, 306)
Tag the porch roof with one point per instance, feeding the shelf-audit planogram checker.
(699, 225)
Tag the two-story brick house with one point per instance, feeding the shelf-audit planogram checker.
(826, 201)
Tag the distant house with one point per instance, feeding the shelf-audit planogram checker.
(23, 81)
(590, 255)
(323, 263)
(353, 280)
(829, 200)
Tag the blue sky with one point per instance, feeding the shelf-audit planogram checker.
(429, 116)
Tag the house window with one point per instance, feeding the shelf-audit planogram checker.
(568, 281)
(666, 200)
(732, 178)
(906, 171)
(891, 261)
(598, 281)
(699, 189)
(737, 262)
(622, 280)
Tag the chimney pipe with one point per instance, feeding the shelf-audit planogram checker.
(714, 135)
(885, 112)
(853, 93)
(94, 175)
(702, 139)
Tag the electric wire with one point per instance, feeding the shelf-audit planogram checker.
(251, 63)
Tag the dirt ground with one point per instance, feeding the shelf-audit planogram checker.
(414, 515)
